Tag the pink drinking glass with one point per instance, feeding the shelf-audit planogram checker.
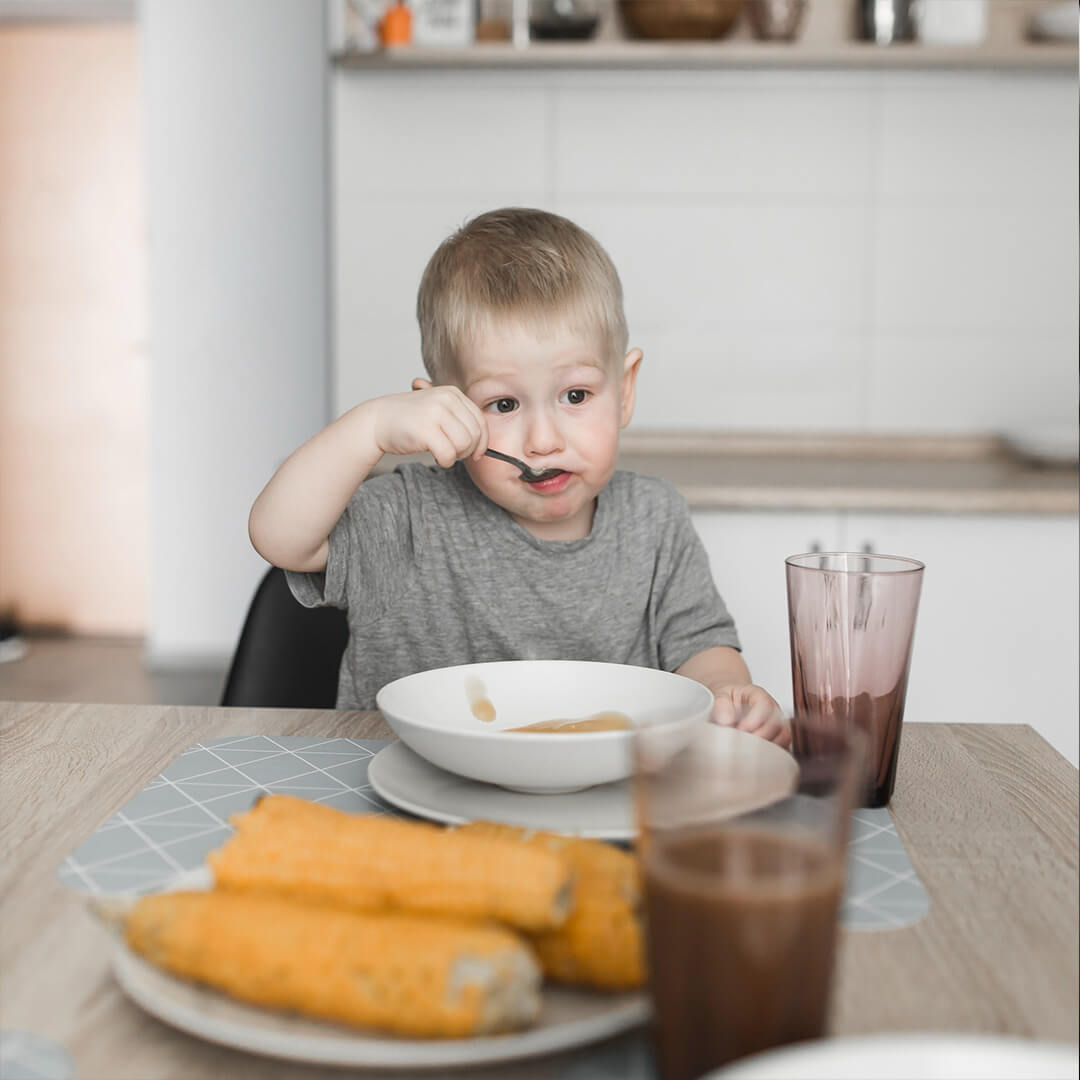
(852, 622)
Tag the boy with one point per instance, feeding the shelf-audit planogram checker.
(525, 344)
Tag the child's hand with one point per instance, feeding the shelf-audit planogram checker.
(751, 708)
(440, 419)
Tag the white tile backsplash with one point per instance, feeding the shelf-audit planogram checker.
(975, 267)
(978, 138)
(425, 136)
(704, 265)
(802, 250)
(714, 140)
(734, 379)
(940, 382)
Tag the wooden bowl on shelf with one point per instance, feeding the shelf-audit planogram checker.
(675, 19)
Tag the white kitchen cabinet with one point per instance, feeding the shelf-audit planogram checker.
(997, 634)
(746, 551)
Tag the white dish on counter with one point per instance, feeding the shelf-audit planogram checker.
(901, 1057)
(1060, 22)
(1052, 444)
(438, 713)
(569, 1018)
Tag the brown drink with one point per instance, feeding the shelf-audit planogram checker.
(742, 925)
(880, 717)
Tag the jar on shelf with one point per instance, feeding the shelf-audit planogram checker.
(563, 20)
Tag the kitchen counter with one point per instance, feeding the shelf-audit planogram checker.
(946, 474)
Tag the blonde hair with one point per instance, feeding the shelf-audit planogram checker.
(520, 263)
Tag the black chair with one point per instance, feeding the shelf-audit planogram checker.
(288, 655)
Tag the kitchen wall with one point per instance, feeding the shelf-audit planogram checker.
(842, 250)
(234, 106)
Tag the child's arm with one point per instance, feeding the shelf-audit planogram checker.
(291, 520)
(739, 703)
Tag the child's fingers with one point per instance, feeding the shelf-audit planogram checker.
(457, 431)
(773, 732)
(468, 413)
(754, 717)
(724, 712)
(442, 448)
(474, 420)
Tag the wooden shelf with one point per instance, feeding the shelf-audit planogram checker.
(734, 54)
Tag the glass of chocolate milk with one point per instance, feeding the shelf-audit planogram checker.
(743, 850)
(852, 621)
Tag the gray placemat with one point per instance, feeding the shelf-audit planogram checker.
(24, 1056)
(183, 814)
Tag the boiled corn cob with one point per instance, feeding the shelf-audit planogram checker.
(410, 975)
(600, 944)
(308, 851)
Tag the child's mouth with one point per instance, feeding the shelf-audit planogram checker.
(550, 480)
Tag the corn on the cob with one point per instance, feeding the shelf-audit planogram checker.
(411, 975)
(311, 852)
(599, 866)
(600, 944)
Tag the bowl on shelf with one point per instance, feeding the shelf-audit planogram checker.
(460, 719)
(680, 19)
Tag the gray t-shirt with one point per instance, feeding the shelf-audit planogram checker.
(434, 574)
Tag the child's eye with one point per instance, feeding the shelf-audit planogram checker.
(503, 405)
(575, 397)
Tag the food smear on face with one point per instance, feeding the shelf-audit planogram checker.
(601, 721)
(479, 702)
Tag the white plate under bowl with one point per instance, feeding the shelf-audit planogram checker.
(569, 1018)
(901, 1057)
(404, 779)
(407, 781)
(432, 713)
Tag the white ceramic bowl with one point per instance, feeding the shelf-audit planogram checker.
(900, 1057)
(432, 713)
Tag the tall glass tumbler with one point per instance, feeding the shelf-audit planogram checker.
(852, 622)
(743, 850)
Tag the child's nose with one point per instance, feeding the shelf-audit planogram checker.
(543, 435)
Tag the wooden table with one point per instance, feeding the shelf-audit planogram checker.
(988, 814)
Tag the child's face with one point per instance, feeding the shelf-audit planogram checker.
(556, 402)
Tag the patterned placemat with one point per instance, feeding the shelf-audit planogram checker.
(24, 1056)
(183, 814)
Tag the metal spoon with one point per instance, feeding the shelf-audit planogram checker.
(527, 471)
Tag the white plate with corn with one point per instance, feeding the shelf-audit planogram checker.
(361, 940)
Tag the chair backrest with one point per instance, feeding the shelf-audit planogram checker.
(288, 655)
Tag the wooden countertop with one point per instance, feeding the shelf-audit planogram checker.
(988, 814)
(953, 475)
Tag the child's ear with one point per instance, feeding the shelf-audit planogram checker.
(631, 366)
(421, 384)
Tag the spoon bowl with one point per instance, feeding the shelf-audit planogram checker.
(527, 471)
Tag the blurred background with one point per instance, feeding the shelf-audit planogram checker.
(838, 253)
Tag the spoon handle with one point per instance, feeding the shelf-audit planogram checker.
(508, 459)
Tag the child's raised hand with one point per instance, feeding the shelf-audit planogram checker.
(439, 419)
(751, 708)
